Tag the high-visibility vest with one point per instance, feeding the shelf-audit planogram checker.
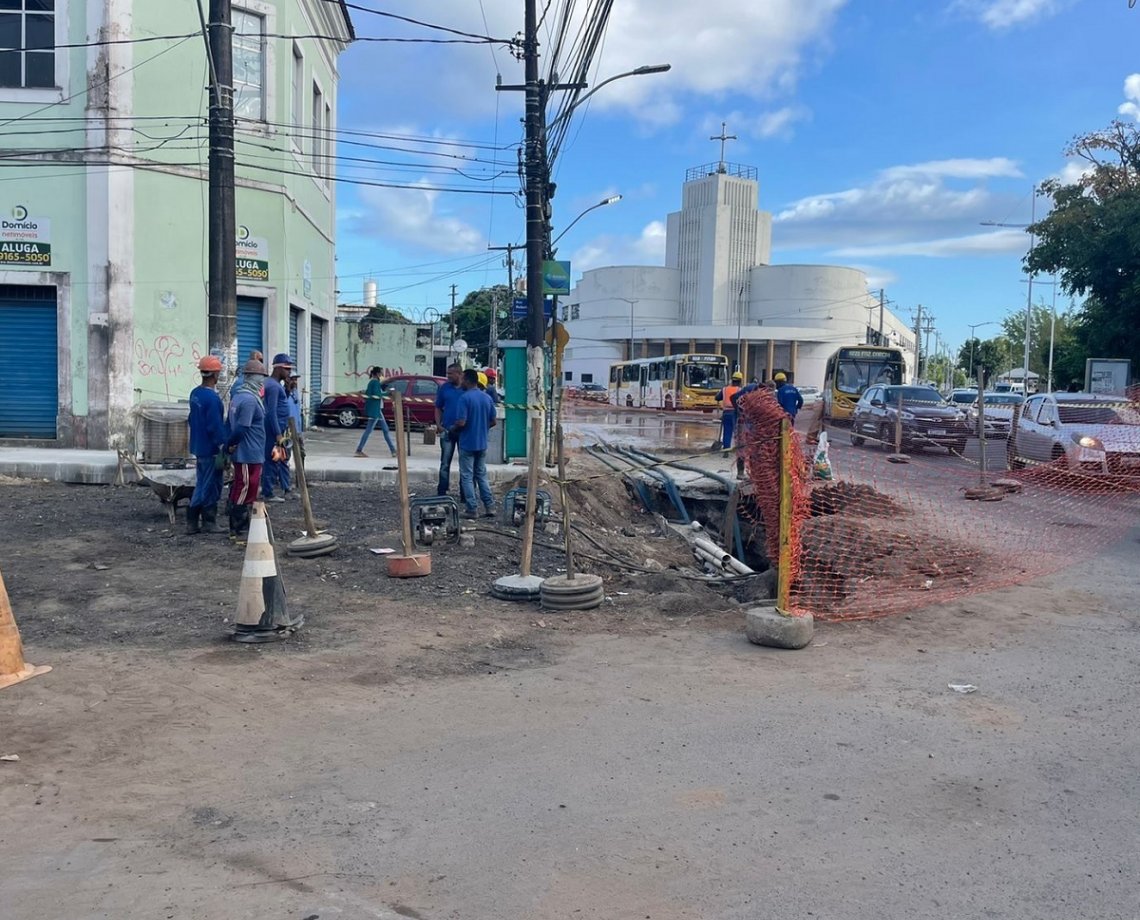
(726, 399)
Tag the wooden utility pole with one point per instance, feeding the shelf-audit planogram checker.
(222, 291)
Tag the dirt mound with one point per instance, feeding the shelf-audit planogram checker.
(834, 497)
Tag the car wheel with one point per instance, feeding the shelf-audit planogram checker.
(1011, 458)
(886, 436)
(855, 439)
(347, 418)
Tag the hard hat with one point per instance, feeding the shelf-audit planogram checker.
(211, 364)
(737, 375)
(482, 379)
(781, 377)
(490, 373)
(253, 366)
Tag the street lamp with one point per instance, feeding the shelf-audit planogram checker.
(636, 72)
(974, 326)
(613, 199)
(1029, 293)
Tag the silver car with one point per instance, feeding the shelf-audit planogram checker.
(1083, 431)
(1000, 409)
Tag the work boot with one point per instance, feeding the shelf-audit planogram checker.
(193, 520)
(234, 513)
(210, 519)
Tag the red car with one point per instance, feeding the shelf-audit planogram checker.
(419, 407)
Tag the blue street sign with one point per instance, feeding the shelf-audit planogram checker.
(519, 307)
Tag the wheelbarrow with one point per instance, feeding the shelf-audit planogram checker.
(170, 485)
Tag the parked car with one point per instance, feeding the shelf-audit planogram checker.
(347, 410)
(927, 418)
(1000, 409)
(963, 397)
(811, 395)
(1082, 431)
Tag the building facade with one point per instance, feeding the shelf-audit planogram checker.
(718, 292)
(103, 236)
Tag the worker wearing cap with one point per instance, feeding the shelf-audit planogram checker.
(207, 438)
(276, 470)
(293, 401)
(787, 395)
(728, 407)
(245, 444)
(492, 389)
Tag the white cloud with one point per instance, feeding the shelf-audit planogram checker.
(977, 244)
(647, 248)
(774, 123)
(1073, 171)
(1004, 14)
(714, 47)
(965, 168)
(413, 218)
(1131, 108)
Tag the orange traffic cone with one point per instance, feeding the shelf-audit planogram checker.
(13, 668)
(262, 612)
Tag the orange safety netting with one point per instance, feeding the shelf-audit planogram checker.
(1061, 482)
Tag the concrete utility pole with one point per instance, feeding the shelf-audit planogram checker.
(453, 315)
(1029, 292)
(882, 305)
(222, 291)
(928, 327)
(918, 345)
(509, 262)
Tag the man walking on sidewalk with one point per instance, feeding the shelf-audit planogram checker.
(207, 438)
(446, 411)
(475, 417)
(246, 445)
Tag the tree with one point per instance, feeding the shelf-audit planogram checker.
(385, 314)
(990, 354)
(1091, 240)
(473, 318)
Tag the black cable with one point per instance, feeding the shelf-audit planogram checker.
(418, 22)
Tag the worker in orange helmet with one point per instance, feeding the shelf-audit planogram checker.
(207, 435)
(492, 389)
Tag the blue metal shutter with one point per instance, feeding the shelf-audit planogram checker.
(294, 328)
(29, 398)
(316, 362)
(250, 327)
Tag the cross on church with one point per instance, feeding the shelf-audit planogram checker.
(722, 137)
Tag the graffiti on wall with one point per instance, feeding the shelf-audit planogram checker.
(385, 372)
(163, 359)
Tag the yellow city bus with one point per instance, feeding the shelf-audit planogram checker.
(670, 382)
(854, 368)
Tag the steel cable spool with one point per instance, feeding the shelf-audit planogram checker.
(582, 592)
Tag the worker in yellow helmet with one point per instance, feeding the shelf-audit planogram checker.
(728, 413)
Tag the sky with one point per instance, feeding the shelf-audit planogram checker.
(885, 133)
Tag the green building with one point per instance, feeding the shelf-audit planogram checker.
(103, 211)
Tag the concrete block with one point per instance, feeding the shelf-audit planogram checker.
(767, 626)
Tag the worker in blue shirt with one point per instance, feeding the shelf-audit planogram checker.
(245, 443)
(446, 412)
(475, 416)
(276, 471)
(788, 396)
(207, 438)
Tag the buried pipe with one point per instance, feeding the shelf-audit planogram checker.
(715, 554)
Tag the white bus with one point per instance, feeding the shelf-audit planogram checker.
(669, 382)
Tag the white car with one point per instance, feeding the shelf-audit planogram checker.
(1083, 431)
(811, 395)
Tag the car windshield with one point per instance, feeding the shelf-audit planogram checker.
(1098, 414)
(705, 376)
(854, 376)
(913, 395)
(1003, 399)
(967, 397)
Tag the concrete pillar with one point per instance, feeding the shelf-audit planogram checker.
(771, 360)
(717, 346)
(668, 346)
(645, 348)
(692, 346)
(794, 359)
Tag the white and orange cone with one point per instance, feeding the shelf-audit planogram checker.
(262, 613)
(13, 668)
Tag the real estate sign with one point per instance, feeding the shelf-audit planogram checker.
(252, 256)
(25, 240)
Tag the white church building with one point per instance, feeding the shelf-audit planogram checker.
(718, 293)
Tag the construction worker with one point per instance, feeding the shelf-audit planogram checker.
(492, 389)
(246, 445)
(728, 407)
(788, 396)
(446, 412)
(276, 463)
(207, 438)
(482, 380)
(475, 416)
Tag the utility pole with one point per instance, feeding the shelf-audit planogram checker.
(222, 290)
(918, 345)
(882, 304)
(453, 315)
(928, 327)
(509, 262)
(1029, 293)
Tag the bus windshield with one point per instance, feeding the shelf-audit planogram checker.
(854, 375)
(704, 376)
